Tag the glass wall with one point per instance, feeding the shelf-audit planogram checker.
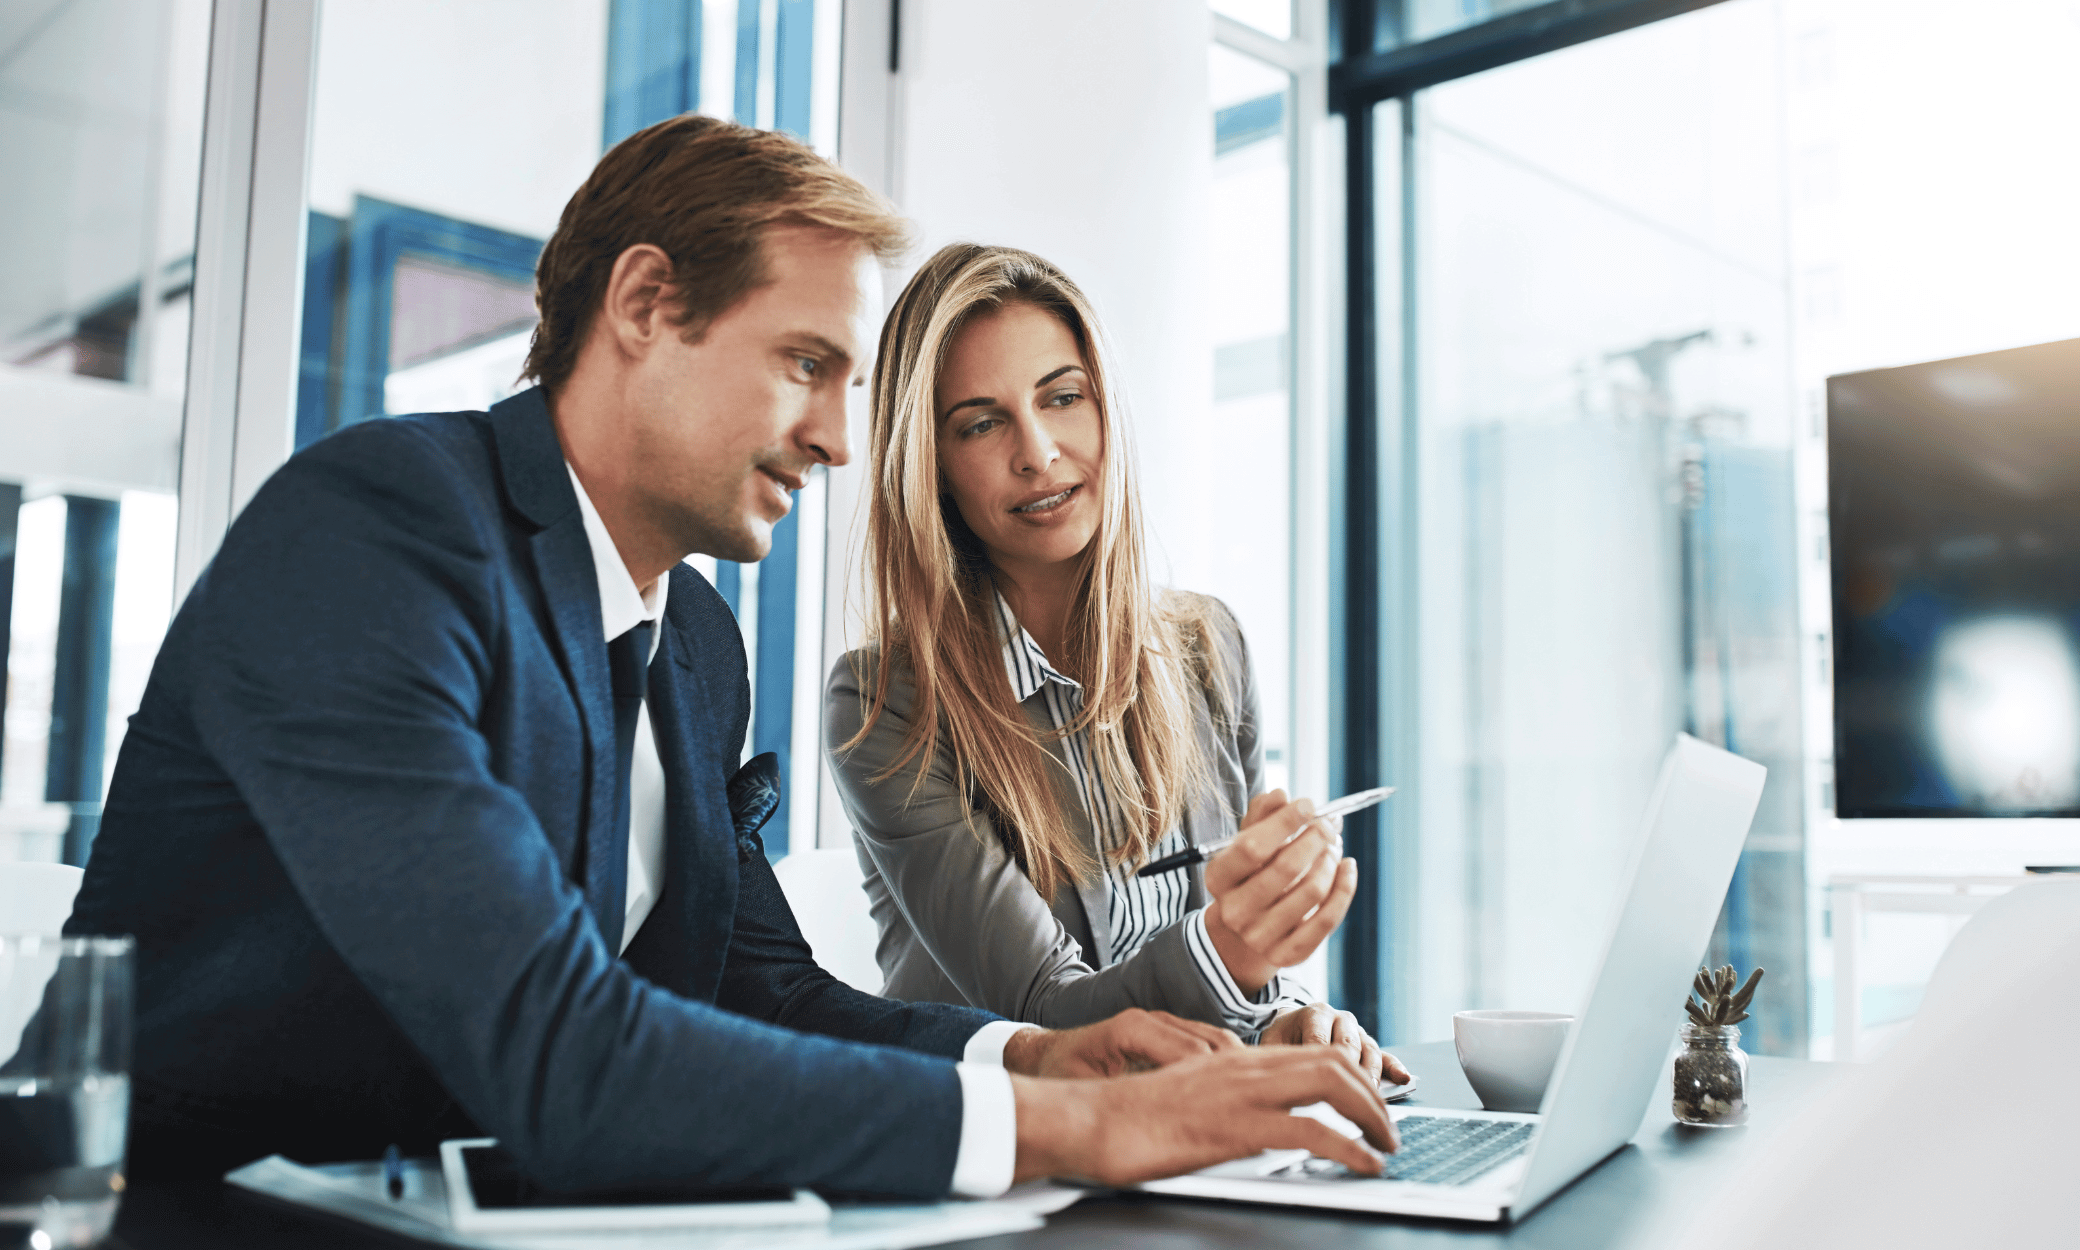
(1636, 263)
(100, 137)
(445, 141)
(1605, 544)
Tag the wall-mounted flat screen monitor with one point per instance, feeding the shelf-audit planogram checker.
(1954, 506)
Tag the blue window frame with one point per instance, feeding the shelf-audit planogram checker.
(653, 63)
(349, 282)
(379, 235)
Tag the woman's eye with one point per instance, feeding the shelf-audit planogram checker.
(808, 364)
(1064, 400)
(980, 427)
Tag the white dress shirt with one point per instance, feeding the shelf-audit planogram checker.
(988, 1153)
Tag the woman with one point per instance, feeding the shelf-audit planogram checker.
(1030, 723)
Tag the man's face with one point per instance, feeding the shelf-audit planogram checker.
(726, 428)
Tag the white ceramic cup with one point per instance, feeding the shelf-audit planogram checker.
(1508, 1056)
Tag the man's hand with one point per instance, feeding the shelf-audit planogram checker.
(1132, 1041)
(1319, 1024)
(1197, 1113)
(1279, 890)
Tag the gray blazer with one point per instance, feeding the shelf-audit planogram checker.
(960, 923)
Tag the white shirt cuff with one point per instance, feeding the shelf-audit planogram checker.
(989, 1128)
(1245, 1014)
(987, 1046)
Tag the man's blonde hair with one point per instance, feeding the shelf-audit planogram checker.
(704, 191)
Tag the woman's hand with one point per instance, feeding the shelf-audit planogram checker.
(1132, 1041)
(1319, 1024)
(1279, 889)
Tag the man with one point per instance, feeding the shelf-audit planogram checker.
(422, 823)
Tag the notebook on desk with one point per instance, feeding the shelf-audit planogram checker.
(358, 1191)
(1488, 1165)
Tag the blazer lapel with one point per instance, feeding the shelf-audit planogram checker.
(532, 466)
(686, 940)
(1094, 895)
(563, 557)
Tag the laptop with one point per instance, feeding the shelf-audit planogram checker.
(1495, 1165)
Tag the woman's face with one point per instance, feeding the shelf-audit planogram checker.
(1021, 443)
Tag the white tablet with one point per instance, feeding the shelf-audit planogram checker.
(488, 1194)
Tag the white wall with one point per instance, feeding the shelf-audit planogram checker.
(1079, 130)
(1923, 225)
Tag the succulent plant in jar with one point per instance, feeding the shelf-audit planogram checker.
(1711, 1075)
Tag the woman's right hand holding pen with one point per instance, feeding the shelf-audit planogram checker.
(1279, 889)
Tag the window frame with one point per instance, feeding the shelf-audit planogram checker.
(238, 420)
(1312, 396)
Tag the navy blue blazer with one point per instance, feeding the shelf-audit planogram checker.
(348, 828)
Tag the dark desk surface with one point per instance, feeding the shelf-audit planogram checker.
(1668, 1169)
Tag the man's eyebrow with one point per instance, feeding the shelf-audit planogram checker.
(824, 346)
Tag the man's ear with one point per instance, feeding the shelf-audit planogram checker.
(635, 311)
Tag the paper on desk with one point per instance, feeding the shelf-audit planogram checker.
(356, 1191)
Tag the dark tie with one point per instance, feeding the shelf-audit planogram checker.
(606, 873)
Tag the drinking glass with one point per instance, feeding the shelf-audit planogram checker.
(64, 1086)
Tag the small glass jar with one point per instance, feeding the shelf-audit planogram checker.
(1712, 1077)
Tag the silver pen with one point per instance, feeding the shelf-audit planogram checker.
(1200, 854)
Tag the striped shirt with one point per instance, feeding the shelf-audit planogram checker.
(1136, 908)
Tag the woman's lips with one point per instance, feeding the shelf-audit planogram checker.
(1047, 504)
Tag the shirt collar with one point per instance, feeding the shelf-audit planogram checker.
(1023, 659)
(622, 607)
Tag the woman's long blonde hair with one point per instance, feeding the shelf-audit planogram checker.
(1143, 660)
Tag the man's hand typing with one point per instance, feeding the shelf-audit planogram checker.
(1196, 1113)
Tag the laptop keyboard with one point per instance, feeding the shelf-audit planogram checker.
(1435, 1150)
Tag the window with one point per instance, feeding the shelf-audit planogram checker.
(1602, 270)
(1241, 550)
(1247, 505)
(1603, 500)
(101, 107)
(1571, 436)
